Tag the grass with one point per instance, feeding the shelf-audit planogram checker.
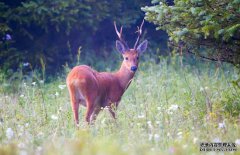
(164, 111)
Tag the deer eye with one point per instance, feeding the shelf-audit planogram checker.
(126, 58)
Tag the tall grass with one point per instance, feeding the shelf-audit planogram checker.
(164, 111)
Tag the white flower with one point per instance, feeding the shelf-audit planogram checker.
(54, 117)
(40, 133)
(21, 95)
(168, 134)
(202, 89)
(141, 116)
(237, 141)
(21, 145)
(149, 124)
(179, 133)
(39, 148)
(217, 140)
(184, 146)
(221, 125)
(195, 140)
(150, 136)
(156, 137)
(157, 122)
(172, 108)
(56, 94)
(25, 64)
(33, 83)
(41, 81)
(23, 152)
(27, 124)
(61, 86)
(9, 133)
(158, 108)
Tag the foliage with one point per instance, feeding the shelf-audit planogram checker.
(210, 28)
(162, 112)
(54, 30)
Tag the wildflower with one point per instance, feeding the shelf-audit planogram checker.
(221, 125)
(237, 141)
(54, 117)
(61, 86)
(33, 83)
(156, 137)
(158, 108)
(21, 145)
(195, 140)
(41, 81)
(60, 109)
(27, 124)
(171, 150)
(157, 122)
(39, 148)
(216, 140)
(179, 135)
(173, 107)
(141, 116)
(9, 133)
(25, 64)
(168, 134)
(8, 37)
(21, 95)
(56, 94)
(23, 152)
(40, 134)
(150, 136)
(184, 146)
(202, 89)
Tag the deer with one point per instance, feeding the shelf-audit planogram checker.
(97, 90)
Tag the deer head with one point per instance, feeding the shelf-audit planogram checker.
(130, 56)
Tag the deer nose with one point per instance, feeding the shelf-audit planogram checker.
(133, 68)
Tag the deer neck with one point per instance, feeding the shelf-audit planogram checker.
(124, 76)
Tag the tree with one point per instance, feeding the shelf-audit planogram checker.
(53, 30)
(208, 28)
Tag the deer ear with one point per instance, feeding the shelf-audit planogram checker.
(120, 47)
(142, 47)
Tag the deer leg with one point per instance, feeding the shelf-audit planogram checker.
(94, 114)
(112, 109)
(75, 108)
(112, 113)
(90, 109)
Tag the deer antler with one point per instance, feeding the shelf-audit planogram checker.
(139, 31)
(119, 34)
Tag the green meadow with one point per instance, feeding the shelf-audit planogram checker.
(169, 108)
